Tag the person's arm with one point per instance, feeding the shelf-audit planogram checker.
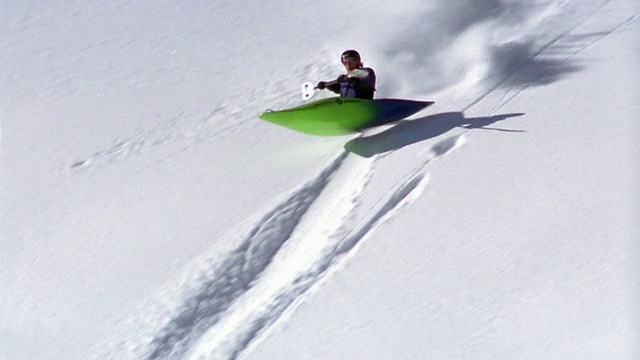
(331, 85)
(334, 86)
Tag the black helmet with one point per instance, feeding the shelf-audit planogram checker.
(350, 54)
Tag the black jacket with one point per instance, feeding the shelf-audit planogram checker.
(359, 83)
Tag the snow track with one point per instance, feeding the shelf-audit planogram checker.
(238, 273)
(165, 140)
(281, 258)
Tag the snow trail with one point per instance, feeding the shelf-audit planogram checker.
(220, 288)
(286, 253)
(293, 268)
(325, 237)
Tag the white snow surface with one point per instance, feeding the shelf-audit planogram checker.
(147, 213)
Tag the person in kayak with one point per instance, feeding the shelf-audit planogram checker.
(358, 82)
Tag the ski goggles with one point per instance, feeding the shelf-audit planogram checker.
(349, 60)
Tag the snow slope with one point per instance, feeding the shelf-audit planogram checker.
(148, 213)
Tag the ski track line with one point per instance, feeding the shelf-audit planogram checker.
(285, 254)
(327, 235)
(292, 269)
(238, 273)
(535, 56)
(310, 254)
(175, 136)
(508, 96)
(351, 235)
(182, 132)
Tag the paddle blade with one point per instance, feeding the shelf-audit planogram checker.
(308, 89)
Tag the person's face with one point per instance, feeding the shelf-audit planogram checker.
(350, 64)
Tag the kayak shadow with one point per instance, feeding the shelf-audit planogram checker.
(408, 132)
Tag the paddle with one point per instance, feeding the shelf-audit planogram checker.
(308, 89)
